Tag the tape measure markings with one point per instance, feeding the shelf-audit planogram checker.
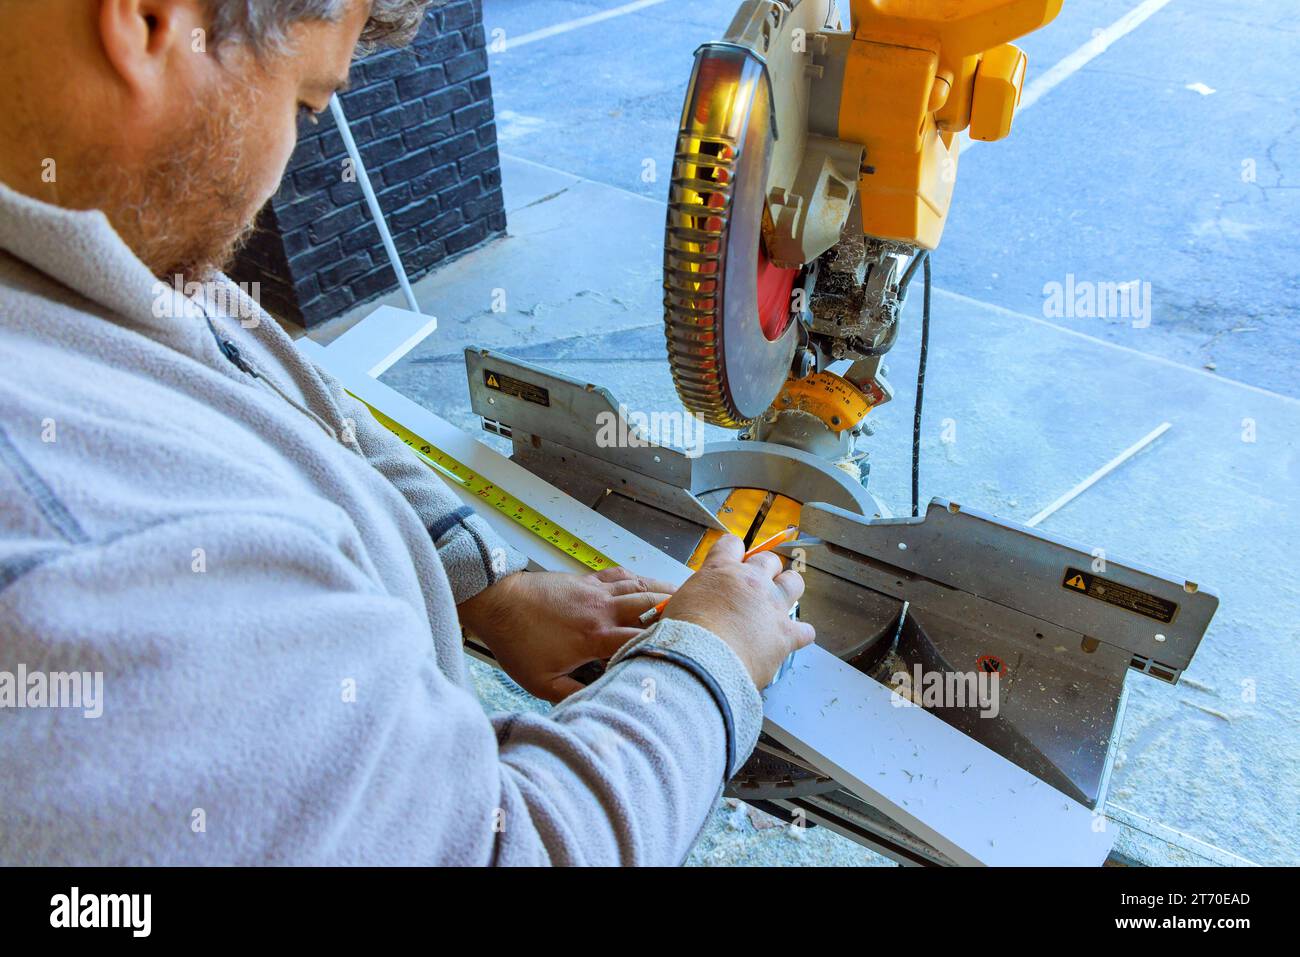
(458, 473)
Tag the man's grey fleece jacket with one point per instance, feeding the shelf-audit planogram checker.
(267, 582)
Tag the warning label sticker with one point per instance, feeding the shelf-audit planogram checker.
(516, 387)
(1123, 596)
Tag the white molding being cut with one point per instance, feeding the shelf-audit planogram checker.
(947, 789)
(967, 801)
(375, 343)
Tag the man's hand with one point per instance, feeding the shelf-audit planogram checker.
(542, 625)
(747, 605)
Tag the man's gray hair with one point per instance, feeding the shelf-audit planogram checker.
(264, 24)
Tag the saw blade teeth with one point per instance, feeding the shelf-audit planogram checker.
(698, 209)
(712, 235)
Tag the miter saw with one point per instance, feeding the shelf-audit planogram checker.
(813, 172)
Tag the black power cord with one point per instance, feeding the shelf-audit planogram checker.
(910, 272)
(920, 378)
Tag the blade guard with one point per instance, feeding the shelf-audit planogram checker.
(729, 345)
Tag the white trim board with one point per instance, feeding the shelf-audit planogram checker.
(968, 801)
(947, 789)
(375, 343)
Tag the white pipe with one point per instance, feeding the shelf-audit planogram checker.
(1101, 473)
(340, 118)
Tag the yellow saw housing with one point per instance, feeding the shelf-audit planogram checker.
(916, 73)
(793, 123)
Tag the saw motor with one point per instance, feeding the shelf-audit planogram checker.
(814, 167)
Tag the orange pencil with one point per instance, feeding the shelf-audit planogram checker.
(780, 538)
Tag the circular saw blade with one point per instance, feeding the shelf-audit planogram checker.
(726, 307)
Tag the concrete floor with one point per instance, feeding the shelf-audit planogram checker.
(1118, 173)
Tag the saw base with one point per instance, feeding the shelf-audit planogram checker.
(957, 595)
(372, 347)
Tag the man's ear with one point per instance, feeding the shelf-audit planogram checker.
(142, 38)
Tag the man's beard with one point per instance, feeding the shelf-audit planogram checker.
(188, 213)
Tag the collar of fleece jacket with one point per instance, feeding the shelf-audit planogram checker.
(80, 250)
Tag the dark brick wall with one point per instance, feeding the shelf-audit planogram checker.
(422, 118)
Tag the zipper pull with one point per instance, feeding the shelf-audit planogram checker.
(231, 352)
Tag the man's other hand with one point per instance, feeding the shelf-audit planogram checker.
(746, 604)
(542, 625)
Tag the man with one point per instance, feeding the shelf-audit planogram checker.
(270, 587)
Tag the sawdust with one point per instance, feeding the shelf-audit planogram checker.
(891, 665)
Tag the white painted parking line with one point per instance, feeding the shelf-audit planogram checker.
(1099, 44)
(511, 43)
(1100, 474)
(1151, 357)
(1101, 41)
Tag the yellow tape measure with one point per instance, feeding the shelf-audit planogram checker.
(458, 473)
